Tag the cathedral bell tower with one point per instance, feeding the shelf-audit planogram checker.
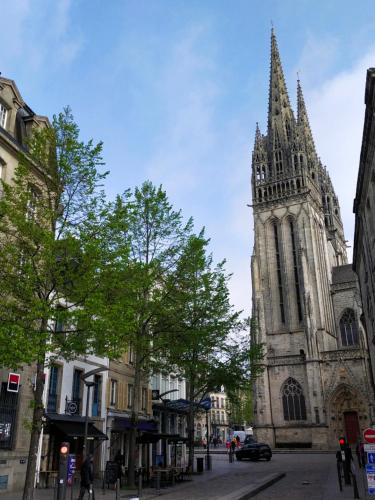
(299, 238)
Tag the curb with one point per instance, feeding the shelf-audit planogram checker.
(305, 451)
(245, 493)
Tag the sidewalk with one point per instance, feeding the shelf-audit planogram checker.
(226, 481)
(286, 477)
(332, 491)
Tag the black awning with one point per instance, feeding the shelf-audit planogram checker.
(178, 439)
(125, 423)
(77, 429)
(148, 437)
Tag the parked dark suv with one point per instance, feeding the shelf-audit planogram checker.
(254, 450)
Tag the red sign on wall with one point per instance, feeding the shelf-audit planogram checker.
(13, 382)
(369, 435)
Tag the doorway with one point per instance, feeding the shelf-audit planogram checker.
(351, 426)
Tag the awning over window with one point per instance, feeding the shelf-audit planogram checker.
(124, 423)
(75, 427)
(148, 437)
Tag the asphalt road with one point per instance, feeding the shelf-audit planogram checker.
(309, 476)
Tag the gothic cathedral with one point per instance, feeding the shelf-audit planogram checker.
(316, 380)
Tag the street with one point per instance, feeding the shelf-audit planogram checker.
(311, 475)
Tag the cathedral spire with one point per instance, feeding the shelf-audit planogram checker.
(279, 109)
(303, 123)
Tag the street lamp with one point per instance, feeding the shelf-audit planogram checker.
(207, 403)
(164, 422)
(89, 384)
(167, 392)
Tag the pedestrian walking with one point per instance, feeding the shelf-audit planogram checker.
(238, 441)
(119, 459)
(87, 478)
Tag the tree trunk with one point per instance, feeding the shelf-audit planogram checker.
(28, 492)
(134, 419)
(191, 429)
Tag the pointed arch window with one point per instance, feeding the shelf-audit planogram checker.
(295, 162)
(288, 130)
(293, 400)
(259, 177)
(295, 269)
(278, 270)
(278, 162)
(348, 328)
(277, 143)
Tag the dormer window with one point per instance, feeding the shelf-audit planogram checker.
(3, 115)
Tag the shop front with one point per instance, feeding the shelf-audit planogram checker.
(119, 427)
(71, 429)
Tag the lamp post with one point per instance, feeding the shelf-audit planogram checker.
(88, 385)
(164, 421)
(208, 443)
(207, 404)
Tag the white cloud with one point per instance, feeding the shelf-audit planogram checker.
(318, 57)
(187, 134)
(336, 111)
(40, 34)
(11, 33)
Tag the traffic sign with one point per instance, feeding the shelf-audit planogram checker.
(370, 473)
(371, 458)
(370, 448)
(369, 435)
(13, 382)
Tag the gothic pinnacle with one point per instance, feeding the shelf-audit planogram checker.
(279, 109)
(303, 122)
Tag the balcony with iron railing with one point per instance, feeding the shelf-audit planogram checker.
(72, 406)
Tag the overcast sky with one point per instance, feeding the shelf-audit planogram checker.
(174, 89)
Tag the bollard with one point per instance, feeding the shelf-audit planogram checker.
(140, 483)
(91, 492)
(355, 487)
(339, 474)
(347, 465)
(158, 483)
(117, 489)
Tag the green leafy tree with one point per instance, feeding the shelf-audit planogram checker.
(206, 347)
(240, 400)
(147, 225)
(52, 251)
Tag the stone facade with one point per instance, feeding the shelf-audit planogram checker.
(306, 299)
(16, 123)
(364, 209)
(119, 405)
(218, 419)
